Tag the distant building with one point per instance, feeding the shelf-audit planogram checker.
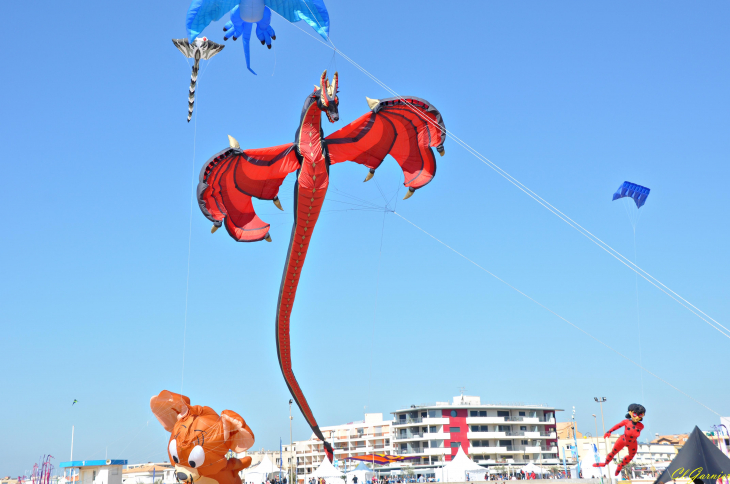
(149, 473)
(95, 471)
(490, 434)
(565, 431)
(677, 440)
(348, 440)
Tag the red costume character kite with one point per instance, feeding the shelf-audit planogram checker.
(405, 128)
(629, 439)
(200, 440)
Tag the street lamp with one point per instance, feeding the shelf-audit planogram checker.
(600, 401)
(577, 453)
(598, 454)
(292, 458)
(539, 446)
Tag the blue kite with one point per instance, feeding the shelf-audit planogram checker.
(245, 13)
(632, 190)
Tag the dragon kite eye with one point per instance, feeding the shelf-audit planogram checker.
(172, 448)
(197, 456)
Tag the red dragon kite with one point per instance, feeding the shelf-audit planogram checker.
(405, 128)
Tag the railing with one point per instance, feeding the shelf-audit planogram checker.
(412, 451)
(514, 419)
(414, 435)
(409, 420)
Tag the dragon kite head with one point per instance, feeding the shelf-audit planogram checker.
(327, 99)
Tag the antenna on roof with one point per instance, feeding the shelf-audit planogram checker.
(462, 390)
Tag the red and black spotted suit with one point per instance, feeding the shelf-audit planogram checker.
(628, 439)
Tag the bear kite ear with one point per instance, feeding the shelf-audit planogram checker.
(236, 433)
(168, 407)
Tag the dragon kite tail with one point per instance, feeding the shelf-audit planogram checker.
(193, 82)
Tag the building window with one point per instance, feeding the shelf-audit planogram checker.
(433, 429)
(453, 413)
(425, 445)
(423, 414)
(473, 413)
(522, 414)
(502, 413)
(400, 417)
(482, 413)
(455, 445)
(524, 442)
(523, 427)
(454, 429)
(485, 428)
(475, 428)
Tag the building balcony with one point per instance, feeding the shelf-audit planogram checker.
(506, 449)
(511, 433)
(424, 436)
(408, 421)
(412, 436)
(499, 420)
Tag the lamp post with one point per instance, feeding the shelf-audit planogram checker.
(577, 453)
(595, 421)
(539, 446)
(292, 458)
(600, 401)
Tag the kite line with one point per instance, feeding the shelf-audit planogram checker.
(547, 205)
(556, 314)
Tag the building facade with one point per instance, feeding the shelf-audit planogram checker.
(490, 434)
(371, 435)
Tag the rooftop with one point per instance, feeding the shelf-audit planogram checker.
(466, 401)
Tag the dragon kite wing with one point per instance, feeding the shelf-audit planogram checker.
(231, 177)
(314, 12)
(202, 12)
(405, 128)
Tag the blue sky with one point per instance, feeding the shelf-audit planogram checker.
(571, 98)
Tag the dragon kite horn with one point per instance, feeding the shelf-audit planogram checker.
(323, 85)
(332, 89)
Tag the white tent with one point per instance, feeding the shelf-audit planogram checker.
(327, 471)
(456, 470)
(257, 473)
(364, 474)
(530, 468)
(590, 472)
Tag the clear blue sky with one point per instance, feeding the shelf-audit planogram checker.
(572, 98)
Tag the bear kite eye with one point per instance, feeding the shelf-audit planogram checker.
(197, 456)
(172, 448)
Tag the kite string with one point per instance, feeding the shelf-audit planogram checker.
(638, 318)
(556, 314)
(547, 205)
(190, 228)
(375, 310)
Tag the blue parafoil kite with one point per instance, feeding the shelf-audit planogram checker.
(632, 190)
(245, 13)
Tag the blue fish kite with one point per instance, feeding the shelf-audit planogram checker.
(632, 190)
(245, 13)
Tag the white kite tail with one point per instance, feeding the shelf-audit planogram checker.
(193, 82)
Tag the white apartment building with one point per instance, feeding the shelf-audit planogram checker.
(490, 434)
(372, 435)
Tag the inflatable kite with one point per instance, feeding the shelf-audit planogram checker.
(632, 190)
(405, 128)
(382, 459)
(245, 13)
(200, 439)
(629, 439)
(200, 48)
